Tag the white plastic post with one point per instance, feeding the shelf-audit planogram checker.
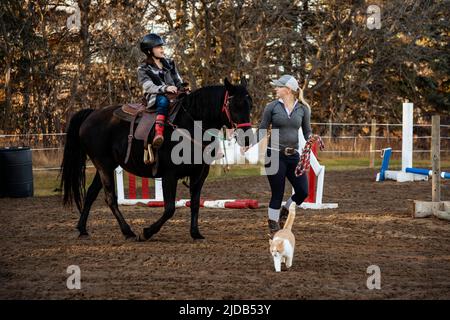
(319, 190)
(407, 136)
(119, 183)
(158, 190)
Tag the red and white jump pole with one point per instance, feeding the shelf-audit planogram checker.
(158, 200)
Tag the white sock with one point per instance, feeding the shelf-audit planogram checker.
(274, 214)
(288, 202)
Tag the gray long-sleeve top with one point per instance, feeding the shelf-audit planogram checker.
(276, 114)
(154, 80)
(167, 76)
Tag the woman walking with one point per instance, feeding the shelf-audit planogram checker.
(286, 115)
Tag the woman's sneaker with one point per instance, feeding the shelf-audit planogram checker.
(273, 227)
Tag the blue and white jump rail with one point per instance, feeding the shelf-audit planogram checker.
(427, 172)
(408, 172)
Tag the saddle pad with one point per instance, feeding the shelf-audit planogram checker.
(146, 123)
(124, 116)
(132, 108)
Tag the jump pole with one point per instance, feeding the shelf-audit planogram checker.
(428, 172)
(158, 199)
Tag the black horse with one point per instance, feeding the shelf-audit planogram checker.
(101, 136)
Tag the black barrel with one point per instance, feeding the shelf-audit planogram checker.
(16, 172)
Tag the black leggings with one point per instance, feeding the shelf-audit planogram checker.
(277, 182)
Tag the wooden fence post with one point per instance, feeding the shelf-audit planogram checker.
(435, 158)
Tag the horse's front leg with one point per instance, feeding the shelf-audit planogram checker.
(169, 185)
(197, 179)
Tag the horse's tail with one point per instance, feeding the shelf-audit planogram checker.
(74, 162)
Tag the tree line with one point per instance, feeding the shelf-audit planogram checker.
(61, 56)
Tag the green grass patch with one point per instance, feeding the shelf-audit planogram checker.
(46, 183)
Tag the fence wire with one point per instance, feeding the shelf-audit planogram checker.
(341, 139)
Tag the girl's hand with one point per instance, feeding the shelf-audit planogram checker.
(171, 89)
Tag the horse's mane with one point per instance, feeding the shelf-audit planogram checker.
(206, 102)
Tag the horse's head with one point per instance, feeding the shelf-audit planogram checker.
(237, 107)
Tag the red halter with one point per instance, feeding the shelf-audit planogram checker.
(226, 109)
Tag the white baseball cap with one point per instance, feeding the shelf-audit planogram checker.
(286, 81)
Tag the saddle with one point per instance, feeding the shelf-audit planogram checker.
(137, 114)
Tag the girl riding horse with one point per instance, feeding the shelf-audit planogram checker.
(158, 76)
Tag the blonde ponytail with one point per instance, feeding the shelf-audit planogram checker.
(302, 98)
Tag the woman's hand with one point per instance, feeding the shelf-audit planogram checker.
(171, 89)
(244, 150)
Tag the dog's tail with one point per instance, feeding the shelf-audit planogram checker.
(290, 218)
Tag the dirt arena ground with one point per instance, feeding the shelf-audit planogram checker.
(334, 248)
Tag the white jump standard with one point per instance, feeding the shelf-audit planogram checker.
(408, 172)
(316, 178)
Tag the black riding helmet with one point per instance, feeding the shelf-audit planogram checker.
(150, 41)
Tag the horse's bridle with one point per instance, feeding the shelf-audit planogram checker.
(226, 110)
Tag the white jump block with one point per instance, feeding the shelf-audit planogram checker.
(401, 176)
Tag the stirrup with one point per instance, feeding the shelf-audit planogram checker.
(157, 142)
(149, 157)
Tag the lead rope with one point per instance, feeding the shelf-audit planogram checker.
(304, 162)
(226, 167)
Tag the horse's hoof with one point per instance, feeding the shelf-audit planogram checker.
(83, 236)
(197, 236)
(147, 233)
(130, 236)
